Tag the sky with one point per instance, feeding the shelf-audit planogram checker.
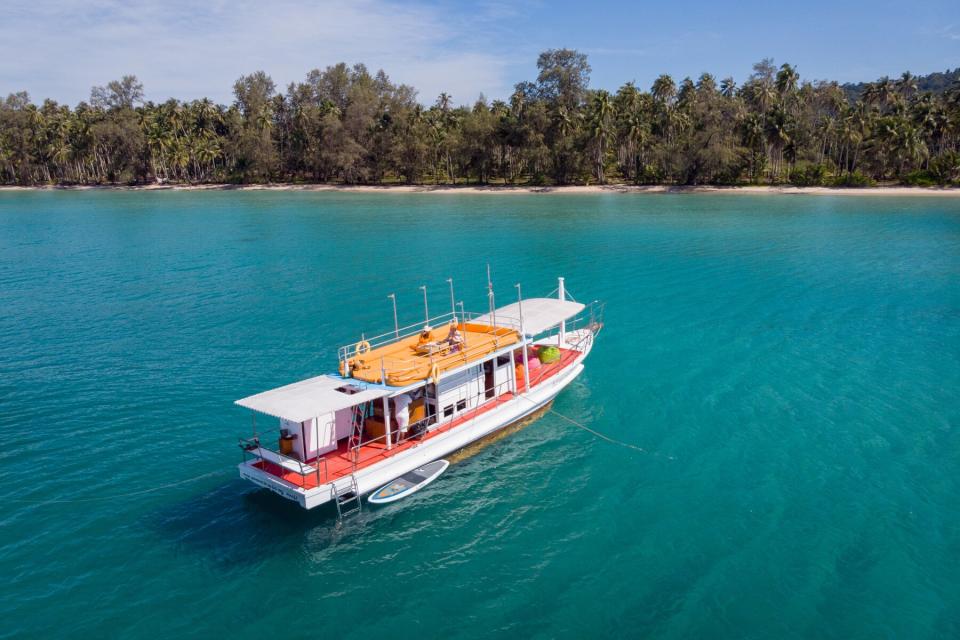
(187, 50)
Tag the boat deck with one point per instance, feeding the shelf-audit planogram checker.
(339, 462)
(404, 364)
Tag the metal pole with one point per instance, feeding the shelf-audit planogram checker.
(453, 304)
(396, 325)
(463, 318)
(523, 335)
(562, 294)
(426, 309)
(513, 374)
(490, 300)
(386, 422)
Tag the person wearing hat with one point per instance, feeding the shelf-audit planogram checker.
(425, 337)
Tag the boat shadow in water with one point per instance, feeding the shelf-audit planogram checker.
(238, 525)
(235, 524)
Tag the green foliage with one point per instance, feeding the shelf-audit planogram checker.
(813, 175)
(921, 178)
(345, 124)
(854, 179)
(945, 168)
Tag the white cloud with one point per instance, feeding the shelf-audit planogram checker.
(178, 49)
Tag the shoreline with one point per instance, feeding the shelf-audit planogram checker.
(509, 189)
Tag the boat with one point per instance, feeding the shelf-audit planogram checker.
(409, 483)
(414, 395)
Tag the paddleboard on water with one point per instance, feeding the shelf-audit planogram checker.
(408, 483)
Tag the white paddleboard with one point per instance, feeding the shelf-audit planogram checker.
(408, 483)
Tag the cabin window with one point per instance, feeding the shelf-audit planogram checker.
(461, 405)
(448, 411)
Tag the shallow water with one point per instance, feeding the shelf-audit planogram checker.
(791, 366)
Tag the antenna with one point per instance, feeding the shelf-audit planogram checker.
(453, 304)
(396, 325)
(493, 308)
(426, 309)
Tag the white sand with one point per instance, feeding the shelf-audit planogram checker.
(441, 189)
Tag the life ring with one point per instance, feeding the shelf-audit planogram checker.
(361, 348)
(435, 373)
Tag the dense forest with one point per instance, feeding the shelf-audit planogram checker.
(346, 125)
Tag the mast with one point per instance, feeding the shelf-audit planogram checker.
(562, 294)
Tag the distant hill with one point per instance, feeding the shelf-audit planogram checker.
(936, 82)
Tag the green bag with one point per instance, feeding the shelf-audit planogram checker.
(548, 354)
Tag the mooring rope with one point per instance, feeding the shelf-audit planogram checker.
(602, 436)
(119, 496)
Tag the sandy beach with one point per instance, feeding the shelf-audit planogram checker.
(494, 189)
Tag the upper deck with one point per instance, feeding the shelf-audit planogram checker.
(403, 360)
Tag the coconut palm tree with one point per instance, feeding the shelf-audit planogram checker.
(664, 89)
(601, 130)
(728, 87)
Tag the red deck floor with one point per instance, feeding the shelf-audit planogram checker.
(339, 463)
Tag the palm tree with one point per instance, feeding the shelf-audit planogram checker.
(600, 130)
(786, 82)
(443, 102)
(907, 84)
(664, 89)
(728, 87)
(778, 136)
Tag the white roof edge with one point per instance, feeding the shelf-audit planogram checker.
(307, 399)
(539, 314)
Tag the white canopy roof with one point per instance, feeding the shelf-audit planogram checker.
(539, 314)
(310, 398)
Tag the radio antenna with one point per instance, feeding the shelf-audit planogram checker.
(490, 300)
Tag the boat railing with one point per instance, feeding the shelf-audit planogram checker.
(316, 468)
(467, 352)
(348, 351)
(591, 318)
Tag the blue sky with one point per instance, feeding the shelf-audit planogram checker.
(184, 49)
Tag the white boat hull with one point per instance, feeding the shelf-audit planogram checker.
(371, 478)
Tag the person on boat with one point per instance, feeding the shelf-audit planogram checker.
(454, 338)
(401, 410)
(425, 335)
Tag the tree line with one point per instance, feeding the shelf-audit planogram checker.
(346, 125)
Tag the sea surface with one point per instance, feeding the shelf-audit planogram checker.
(789, 365)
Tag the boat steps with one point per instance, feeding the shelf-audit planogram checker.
(346, 496)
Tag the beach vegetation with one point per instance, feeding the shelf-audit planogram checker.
(347, 125)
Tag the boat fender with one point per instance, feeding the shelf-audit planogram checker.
(435, 373)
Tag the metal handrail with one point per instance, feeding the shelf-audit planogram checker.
(348, 351)
(249, 445)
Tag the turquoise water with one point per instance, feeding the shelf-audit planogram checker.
(791, 366)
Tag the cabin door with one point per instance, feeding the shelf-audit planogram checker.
(488, 381)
